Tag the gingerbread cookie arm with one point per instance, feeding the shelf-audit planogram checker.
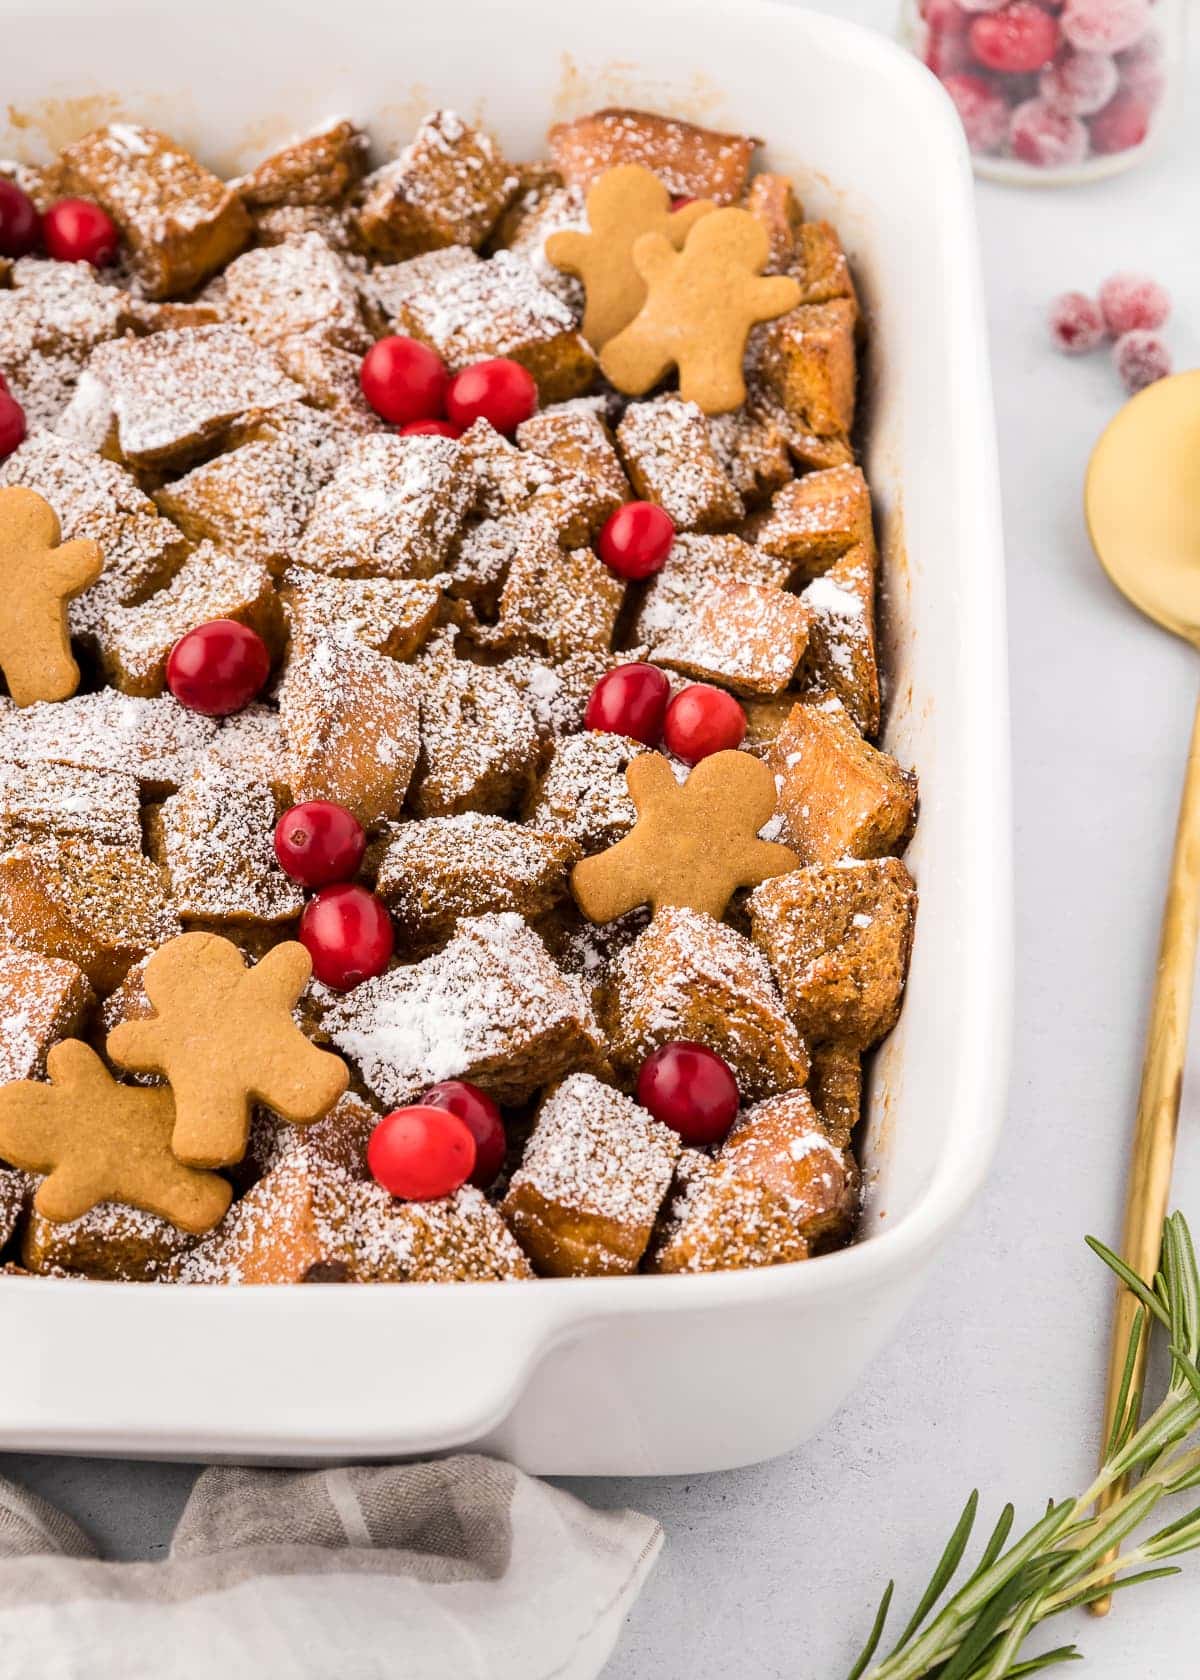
(609, 884)
(568, 250)
(295, 1078)
(774, 294)
(74, 566)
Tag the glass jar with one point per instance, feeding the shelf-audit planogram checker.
(1053, 91)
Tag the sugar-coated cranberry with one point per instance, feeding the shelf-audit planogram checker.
(76, 230)
(499, 391)
(947, 53)
(702, 720)
(1021, 37)
(635, 540)
(430, 428)
(1079, 83)
(1140, 358)
(420, 1153)
(983, 110)
(1076, 323)
(218, 667)
(12, 423)
(631, 700)
(691, 1089)
(1133, 303)
(348, 934)
(1143, 69)
(20, 224)
(1045, 138)
(483, 1120)
(1105, 26)
(947, 17)
(404, 380)
(319, 842)
(1123, 124)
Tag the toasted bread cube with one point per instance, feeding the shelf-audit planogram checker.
(557, 692)
(694, 562)
(15, 1191)
(449, 186)
(316, 168)
(669, 456)
(392, 615)
(840, 658)
(42, 999)
(692, 162)
(281, 222)
(835, 1084)
(135, 641)
(339, 1138)
(99, 907)
(214, 839)
(63, 802)
(248, 745)
(713, 1221)
(479, 743)
(329, 379)
(576, 436)
(155, 740)
(110, 1241)
(289, 1226)
(52, 316)
(392, 509)
(349, 719)
(781, 1144)
(816, 519)
(469, 310)
(42, 182)
(178, 220)
(806, 359)
(583, 793)
(689, 977)
(838, 937)
(819, 265)
(300, 286)
(541, 208)
(457, 1239)
(772, 198)
(569, 504)
(555, 603)
(743, 635)
(490, 1007)
(176, 395)
(752, 447)
(433, 872)
(838, 796)
(765, 717)
(584, 1200)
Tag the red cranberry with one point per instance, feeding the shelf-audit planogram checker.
(1079, 83)
(681, 200)
(218, 668)
(319, 842)
(1133, 303)
(430, 428)
(1045, 138)
(499, 391)
(1141, 358)
(76, 230)
(404, 380)
(20, 224)
(12, 423)
(632, 700)
(483, 1120)
(691, 1089)
(1122, 125)
(1105, 26)
(636, 539)
(1021, 37)
(420, 1154)
(947, 53)
(348, 934)
(1076, 324)
(702, 720)
(1143, 71)
(983, 111)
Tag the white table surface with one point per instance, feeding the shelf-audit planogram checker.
(996, 1378)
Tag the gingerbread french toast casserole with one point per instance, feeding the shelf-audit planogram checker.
(443, 830)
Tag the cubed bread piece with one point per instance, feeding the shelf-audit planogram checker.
(469, 310)
(839, 797)
(179, 222)
(392, 615)
(713, 1221)
(248, 746)
(449, 186)
(772, 198)
(568, 504)
(840, 658)
(431, 873)
(835, 1084)
(329, 379)
(300, 286)
(42, 182)
(349, 719)
(176, 395)
(99, 907)
(214, 839)
(668, 604)
(393, 508)
(155, 740)
(814, 520)
(479, 743)
(52, 316)
(339, 1137)
(457, 1239)
(278, 223)
(59, 800)
(490, 1007)
(838, 937)
(555, 602)
(15, 1191)
(689, 977)
(765, 717)
(742, 635)
(591, 1181)
(316, 168)
(212, 583)
(541, 208)
(557, 692)
(752, 447)
(692, 162)
(806, 360)
(583, 793)
(42, 999)
(110, 1241)
(576, 436)
(669, 456)
(819, 265)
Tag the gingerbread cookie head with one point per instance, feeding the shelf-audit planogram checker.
(622, 205)
(38, 576)
(701, 303)
(99, 1141)
(224, 1036)
(693, 845)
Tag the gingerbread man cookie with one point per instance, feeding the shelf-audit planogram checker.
(224, 1036)
(700, 305)
(38, 576)
(622, 205)
(693, 845)
(98, 1141)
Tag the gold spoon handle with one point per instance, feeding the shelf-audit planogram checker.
(1149, 1184)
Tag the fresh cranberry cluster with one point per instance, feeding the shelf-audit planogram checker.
(409, 385)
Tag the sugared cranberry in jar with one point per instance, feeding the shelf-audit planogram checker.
(318, 843)
(1020, 37)
(702, 720)
(482, 1118)
(218, 668)
(20, 224)
(1122, 126)
(1046, 139)
(636, 540)
(691, 1089)
(421, 1154)
(499, 391)
(12, 422)
(348, 934)
(1078, 84)
(982, 109)
(632, 700)
(76, 230)
(1105, 26)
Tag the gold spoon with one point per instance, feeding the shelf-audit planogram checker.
(1142, 500)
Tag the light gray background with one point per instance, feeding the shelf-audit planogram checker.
(995, 1381)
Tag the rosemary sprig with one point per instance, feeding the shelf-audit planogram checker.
(1061, 1562)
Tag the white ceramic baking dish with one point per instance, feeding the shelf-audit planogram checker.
(625, 1375)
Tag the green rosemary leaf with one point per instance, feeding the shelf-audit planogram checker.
(1186, 1368)
(984, 1629)
(1125, 1414)
(1190, 1276)
(996, 1544)
(876, 1633)
(947, 1564)
(1105, 1589)
(1048, 1659)
(1180, 1536)
(1130, 1279)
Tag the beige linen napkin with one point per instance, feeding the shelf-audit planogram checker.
(460, 1569)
